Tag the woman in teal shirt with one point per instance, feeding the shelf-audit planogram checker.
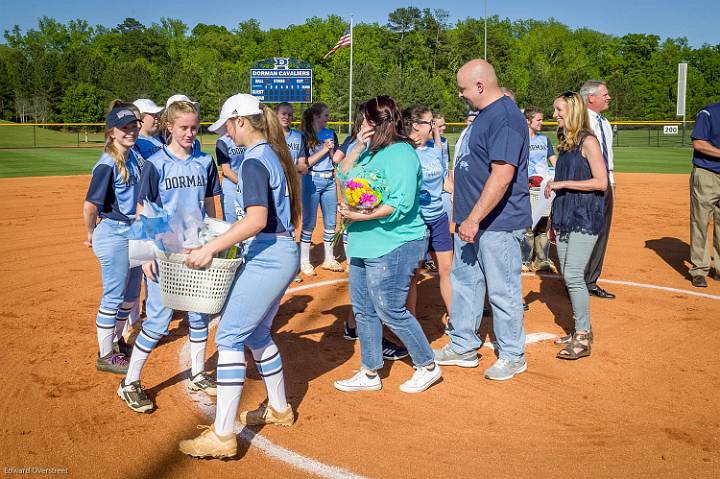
(386, 244)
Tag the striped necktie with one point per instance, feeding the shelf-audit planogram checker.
(601, 120)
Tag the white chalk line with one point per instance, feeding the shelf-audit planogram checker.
(635, 284)
(312, 466)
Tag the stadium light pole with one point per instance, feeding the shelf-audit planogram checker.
(485, 34)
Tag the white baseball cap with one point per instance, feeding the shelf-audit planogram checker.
(147, 106)
(177, 98)
(241, 104)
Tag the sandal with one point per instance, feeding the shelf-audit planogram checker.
(568, 338)
(578, 347)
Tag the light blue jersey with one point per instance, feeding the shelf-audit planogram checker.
(175, 184)
(540, 150)
(262, 182)
(227, 152)
(148, 145)
(325, 165)
(431, 160)
(115, 199)
(296, 144)
(445, 154)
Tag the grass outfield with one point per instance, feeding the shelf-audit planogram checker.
(79, 161)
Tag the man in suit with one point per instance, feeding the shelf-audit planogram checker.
(597, 98)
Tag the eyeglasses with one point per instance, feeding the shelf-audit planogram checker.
(424, 122)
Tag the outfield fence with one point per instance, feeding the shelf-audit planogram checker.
(90, 135)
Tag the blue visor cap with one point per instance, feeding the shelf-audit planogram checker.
(119, 117)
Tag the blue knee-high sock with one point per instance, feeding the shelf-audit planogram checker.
(144, 344)
(270, 367)
(105, 328)
(198, 342)
(230, 380)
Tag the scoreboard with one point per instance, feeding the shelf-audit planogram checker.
(275, 80)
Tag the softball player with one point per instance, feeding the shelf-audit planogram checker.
(229, 157)
(420, 127)
(293, 138)
(179, 177)
(148, 142)
(446, 196)
(112, 197)
(269, 208)
(541, 152)
(318, 186)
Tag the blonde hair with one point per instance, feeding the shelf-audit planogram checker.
(171, 113)
(577, 123)
(111, 149)
(268, 124)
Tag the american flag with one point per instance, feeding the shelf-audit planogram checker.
(345, 41)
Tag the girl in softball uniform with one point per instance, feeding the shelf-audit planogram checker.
(541, 153)
(229, 156)
(269, 208)
(293, 138)
(149, 142)
(112, 198)
(420, 127)
(179, 177)
(318, 186)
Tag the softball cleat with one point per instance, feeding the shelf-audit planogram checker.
(134, 396)
(203, 382)
(267, 415)
(209, 444)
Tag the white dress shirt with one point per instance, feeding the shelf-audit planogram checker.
(596, 123)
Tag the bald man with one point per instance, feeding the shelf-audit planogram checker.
(492, 212)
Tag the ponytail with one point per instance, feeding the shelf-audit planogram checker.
(306, 124)
(110, 148)
(268, 124)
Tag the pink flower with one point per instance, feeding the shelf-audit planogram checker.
(368, 200)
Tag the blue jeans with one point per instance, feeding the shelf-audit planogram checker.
(491, 264)
(318, 191)
(378, 292)
(271, 262)
(574, 251)
(119, 282)
(227, 197)
(158, 316)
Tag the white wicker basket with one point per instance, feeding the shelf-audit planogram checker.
(535, 193)
(198, 290)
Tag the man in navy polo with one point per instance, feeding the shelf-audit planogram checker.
(492, 211)
(705, 193)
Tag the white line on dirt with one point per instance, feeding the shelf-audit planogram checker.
(317, 468)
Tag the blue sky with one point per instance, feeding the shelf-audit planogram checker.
(694, 19)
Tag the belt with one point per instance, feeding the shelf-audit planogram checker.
(322, 174)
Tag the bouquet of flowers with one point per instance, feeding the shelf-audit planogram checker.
(360, 195)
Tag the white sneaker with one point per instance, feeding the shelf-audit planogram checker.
(307, 269)
(421, 379)
(362, 381)
(332, 265)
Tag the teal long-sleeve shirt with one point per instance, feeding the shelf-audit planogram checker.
(396, 169)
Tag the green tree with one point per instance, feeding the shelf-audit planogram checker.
(80, 104)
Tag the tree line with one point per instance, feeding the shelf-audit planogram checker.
(69, 72)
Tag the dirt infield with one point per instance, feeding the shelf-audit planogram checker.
(645, 404)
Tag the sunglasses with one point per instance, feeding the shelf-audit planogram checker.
(567, 94)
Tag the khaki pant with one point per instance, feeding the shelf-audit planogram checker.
(704, 208)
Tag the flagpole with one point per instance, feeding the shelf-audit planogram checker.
(350, 96)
